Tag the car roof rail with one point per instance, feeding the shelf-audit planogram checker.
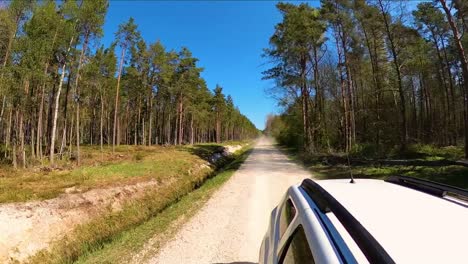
(369, 246)
(430, 187)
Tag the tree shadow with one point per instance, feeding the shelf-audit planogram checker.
(205, 151)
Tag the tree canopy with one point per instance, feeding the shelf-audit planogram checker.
(370, 74)
(59, 88)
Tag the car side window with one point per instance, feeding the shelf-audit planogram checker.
(297, 250)
(287, 215)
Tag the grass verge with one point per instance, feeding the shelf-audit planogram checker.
(128, 165)
(115, 236)
(452, 175)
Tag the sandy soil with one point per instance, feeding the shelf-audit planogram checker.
(26, 228)
(230, 227)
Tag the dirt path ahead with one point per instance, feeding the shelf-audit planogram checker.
(230, 227)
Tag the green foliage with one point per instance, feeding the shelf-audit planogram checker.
(287, 129)
(379, 87)
(131, 92)
(138, 157)
(365, 151)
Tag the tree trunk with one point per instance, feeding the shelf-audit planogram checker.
(179, 125)
(8, 134)
(101, 139)
(191, 130)
(403, 126)
(57, 105)
(344, 102)
(21, 134)
(54, 125)
(453, 113)
(305, 106)
(2, 111)
(443, 83)
(150, 120)
(372, 49)
(463, 60)
(349, 91)
(116, 107)
(77, 78)
(41, 107)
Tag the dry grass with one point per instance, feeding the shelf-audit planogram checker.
(129, 164)
(114, 236)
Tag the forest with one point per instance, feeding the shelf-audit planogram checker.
(376, 76)
(60, 88)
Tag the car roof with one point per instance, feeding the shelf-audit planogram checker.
(412, 226)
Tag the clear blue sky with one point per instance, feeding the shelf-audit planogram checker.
(227, 36)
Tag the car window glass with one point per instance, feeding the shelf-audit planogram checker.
(298, 250)
(287, 215)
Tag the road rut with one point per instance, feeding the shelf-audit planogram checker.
(231, 225)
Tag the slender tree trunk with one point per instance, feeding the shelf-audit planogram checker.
(101, 138)
(319, 96)
(21, 128)
(39, 123)
(70, 136)
(344, 102)
(41, 106)
(150, 120)
(396, 63)
(57, 105)
(77, 79)
(451, 92)
(305, 106)
(443, 84)
(8, 134)
(191, 130)
(372, 49)
(179, 118)
(135, 132)
(54, 125)
(218, 127)
(349, 91)
(65, 117)
(116, 107)
(3, 109)
(21, 135)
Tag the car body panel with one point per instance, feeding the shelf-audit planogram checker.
(307, 218)
(412, 226)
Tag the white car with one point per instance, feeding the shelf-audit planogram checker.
(399, 220)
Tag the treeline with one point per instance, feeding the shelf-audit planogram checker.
(374, 74)
(60, 89)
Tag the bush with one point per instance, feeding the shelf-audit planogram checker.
(449, 152)
(365, 150)
(138, 156)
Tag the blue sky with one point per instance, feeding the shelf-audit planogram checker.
(227, 36)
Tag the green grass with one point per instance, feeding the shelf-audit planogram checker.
(414, 151)
(452, 175)
(129, 164)
(114, 236)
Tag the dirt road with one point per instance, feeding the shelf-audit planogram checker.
(230, 227)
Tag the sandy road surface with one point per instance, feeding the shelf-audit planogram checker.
(230, 227)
